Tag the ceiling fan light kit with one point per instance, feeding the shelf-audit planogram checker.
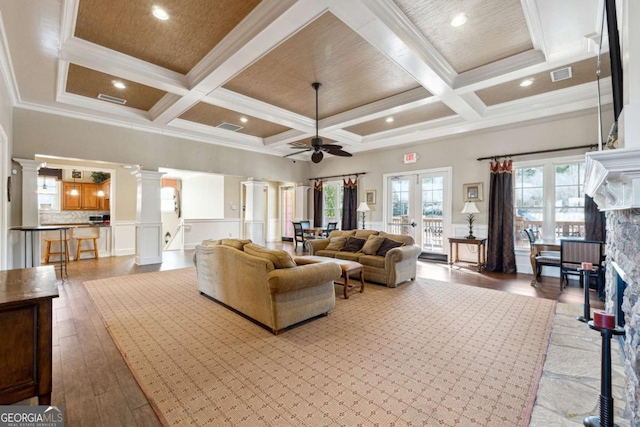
(317, 144)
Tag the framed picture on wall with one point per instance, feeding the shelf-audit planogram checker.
(370, 197)
(472, 192)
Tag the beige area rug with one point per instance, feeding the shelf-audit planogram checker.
(427, 353)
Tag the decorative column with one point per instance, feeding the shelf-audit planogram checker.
(29, 212)
(254, 221)
(302, 203)
(148, 218)
(629, 121)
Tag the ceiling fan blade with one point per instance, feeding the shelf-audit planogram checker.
(297, 152)
(332, 146)
(317, 157)
(338, 152)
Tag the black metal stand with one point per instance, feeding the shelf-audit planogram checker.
(584, 281)
(606, 399)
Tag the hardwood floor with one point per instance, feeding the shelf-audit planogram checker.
(91, 379)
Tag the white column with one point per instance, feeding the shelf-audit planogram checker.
(629, 121)
(302, 203)
(254, 221)
(29, 213)
(148, 218)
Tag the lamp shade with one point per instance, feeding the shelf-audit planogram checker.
(363, 207)
(470, 208)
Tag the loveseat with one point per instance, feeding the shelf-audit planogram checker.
(391, 267)
(264, 284)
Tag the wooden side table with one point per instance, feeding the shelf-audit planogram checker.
(479, 242)
(25, 322)
(348, 268)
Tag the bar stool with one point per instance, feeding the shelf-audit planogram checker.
(90, 234)
(54, 237)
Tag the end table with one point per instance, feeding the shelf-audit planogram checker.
(478, 241)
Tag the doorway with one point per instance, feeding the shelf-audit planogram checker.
(287, 210)
(418, 204)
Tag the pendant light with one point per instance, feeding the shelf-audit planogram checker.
(74, 191)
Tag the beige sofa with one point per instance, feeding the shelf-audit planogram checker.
(397, 266)
(250, 282)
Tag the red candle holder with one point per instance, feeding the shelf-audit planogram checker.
(603, 319)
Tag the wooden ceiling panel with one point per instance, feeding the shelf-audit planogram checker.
(211, 115)
(582, 72)
(192, 30)
(495, 29)
(352, 72)
(90, 83)
(307, 142)
(416, 115)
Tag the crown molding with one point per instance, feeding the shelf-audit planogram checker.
(69, 17)
(220, 135)
(499, 69)
(286, 137)
(126, 113)
(6, 66)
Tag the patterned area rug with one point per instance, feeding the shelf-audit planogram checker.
(427, 353)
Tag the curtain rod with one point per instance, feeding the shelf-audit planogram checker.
(553, 150)
(338, 176)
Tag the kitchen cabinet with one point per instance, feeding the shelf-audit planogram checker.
(105, 201)
(87, 198)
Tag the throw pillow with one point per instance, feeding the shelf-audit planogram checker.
(211, 242)
(353, 245)
(387, 245)
(372, 245)
(280, 259)
(235, 243)
(336, 243)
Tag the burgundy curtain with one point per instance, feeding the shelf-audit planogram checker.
(350, 204)
(594, 221)
(501, 255)
(317, 204)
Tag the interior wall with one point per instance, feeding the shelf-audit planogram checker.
(232, 202)
(6, 137)
(48, 134)
(203, 197)
(461, 153)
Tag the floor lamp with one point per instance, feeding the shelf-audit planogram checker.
(363, 209)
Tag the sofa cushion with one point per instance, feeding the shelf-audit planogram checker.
(349, 256)
(336, 243)
(372, 245)
(280, 259)
(407, 240)
(353, 245)
(387, 245)
(330, 254)
(235, 243)
(341, 233)
(372, 260)
(211, 242)
(364, 234)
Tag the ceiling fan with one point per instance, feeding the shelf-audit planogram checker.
(316, 143)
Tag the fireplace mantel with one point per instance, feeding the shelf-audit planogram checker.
(613, 178)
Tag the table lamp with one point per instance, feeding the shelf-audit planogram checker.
(471, 209)
(363, 208)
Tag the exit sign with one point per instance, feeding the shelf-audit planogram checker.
(410, 158)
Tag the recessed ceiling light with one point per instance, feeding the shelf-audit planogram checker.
(244, 119)
(118, 84)
(459, 20)
(160, 13)
(389, 119)
(527, 82)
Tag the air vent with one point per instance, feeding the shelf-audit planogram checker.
(229, 126)
(113, 99)
(300, 144)
(561, 74)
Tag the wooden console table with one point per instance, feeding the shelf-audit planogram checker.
(25, 322)
(479, 242)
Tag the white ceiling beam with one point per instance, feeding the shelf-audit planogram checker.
(100, 58)
(285, 137)
(221, 135)
(532, 16)
(104, 106)
(230, 100)
(498, 70)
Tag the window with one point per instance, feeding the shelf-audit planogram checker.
(549, 198)
(400, 196)
(167, 200)
(48, 194)
(332, 194)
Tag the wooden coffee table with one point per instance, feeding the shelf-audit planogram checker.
(348, 268)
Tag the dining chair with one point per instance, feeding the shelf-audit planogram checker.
(298, 234)
(574, 252)
(543, 259)
(330, 227)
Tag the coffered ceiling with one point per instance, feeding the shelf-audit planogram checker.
(392, 71)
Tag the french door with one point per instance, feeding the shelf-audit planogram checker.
(419, 204)
(287, 206)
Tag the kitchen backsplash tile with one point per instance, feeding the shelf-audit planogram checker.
(69, 217)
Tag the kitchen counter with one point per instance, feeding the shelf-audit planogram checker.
(104, 241)
(82, 224)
